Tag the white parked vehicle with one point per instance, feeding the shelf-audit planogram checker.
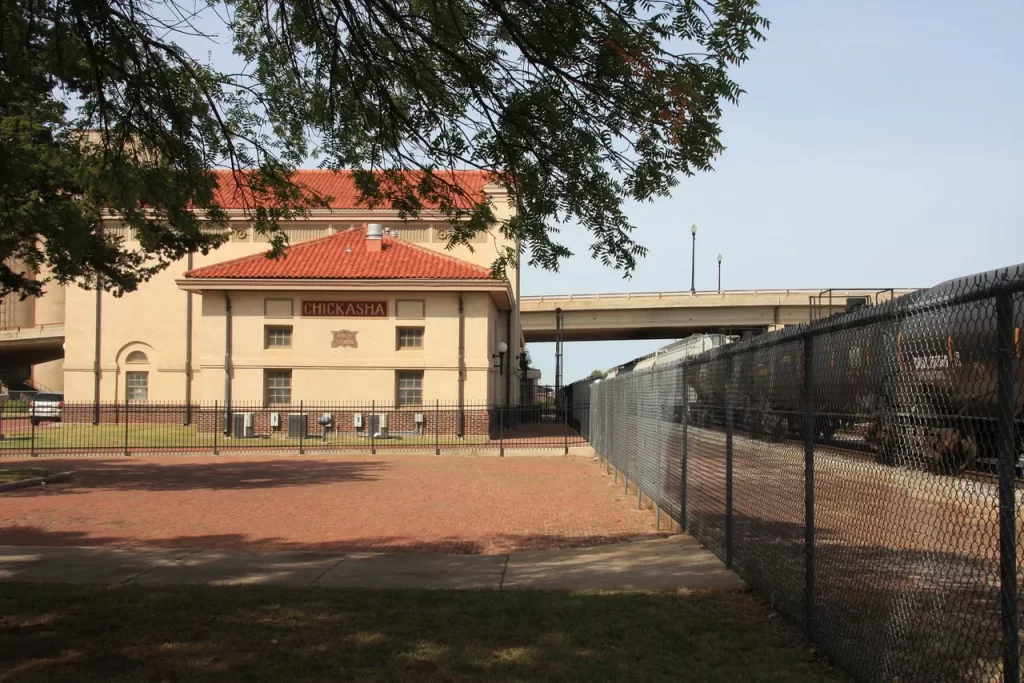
(45, 407)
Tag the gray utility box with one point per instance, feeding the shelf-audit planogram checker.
(297, 425)
(242, 425)
(379, 424)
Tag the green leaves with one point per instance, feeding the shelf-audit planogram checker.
(575, 106)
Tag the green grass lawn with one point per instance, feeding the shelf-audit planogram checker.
(128, 633)
(9, 474)
(77, 436)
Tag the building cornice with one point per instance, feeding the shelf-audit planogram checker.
(500, 289)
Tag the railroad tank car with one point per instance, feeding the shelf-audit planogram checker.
(770, 388)
(917, 386)
(920, 388)
(770, 391)
(936, 398)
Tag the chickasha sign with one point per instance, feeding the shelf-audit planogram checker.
(345, 309)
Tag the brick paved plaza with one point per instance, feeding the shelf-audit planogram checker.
(384, 503)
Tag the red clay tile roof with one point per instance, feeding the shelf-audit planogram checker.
(340, 187)
(328, 258)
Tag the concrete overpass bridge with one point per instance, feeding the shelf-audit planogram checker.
(31, 345)
(673, 315)
(585, 317)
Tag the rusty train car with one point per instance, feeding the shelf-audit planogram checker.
(912, 380)
(915, 387)
(936, 396)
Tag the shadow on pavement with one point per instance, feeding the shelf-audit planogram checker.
(182, 475)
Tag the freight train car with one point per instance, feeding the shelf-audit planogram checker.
(936, 398)
(921, 386)
(912, 379)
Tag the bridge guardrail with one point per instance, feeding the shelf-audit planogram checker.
(708, 293)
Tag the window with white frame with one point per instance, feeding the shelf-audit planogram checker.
(410, 337)
(277, 387)
(409, 387)
(278, 337)
(136, 385)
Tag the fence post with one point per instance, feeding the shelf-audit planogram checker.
(373, 438)
(565, 410)
(216, 414)
(501, 435)
(1007, 487)
(437, 426)
(305, 425)
(32, 426)
(728, 461)
(126, 422)
(809, 596)
(686, 455)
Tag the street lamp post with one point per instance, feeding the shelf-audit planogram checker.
(693, 259)
(719, 273)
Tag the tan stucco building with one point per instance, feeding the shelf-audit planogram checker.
(355, 316)
(345, 315)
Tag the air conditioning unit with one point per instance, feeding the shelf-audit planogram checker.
(418, 418)
(379, 424)
(242, 425)
(275, 420)
(297, 424)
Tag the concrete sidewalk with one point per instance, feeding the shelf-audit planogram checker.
(661, 564)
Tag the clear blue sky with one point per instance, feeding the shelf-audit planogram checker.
(880, 144)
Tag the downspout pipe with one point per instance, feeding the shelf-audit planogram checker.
(460, 427)
(227, 362)
(188, 352)
(96, 352)
(509, 360)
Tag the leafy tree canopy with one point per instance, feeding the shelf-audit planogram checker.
(598, 374)
(576, 106)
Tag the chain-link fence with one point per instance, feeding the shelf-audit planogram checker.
(862, 473)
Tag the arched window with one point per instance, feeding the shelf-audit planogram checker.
(136, 357)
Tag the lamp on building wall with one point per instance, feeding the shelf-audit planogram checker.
(500, 355)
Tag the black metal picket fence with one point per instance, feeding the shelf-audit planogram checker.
(861, 472)
(86, 428)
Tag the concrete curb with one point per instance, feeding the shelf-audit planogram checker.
(36, 481)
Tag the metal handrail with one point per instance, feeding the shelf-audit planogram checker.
(708, 293)
(40, 327)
